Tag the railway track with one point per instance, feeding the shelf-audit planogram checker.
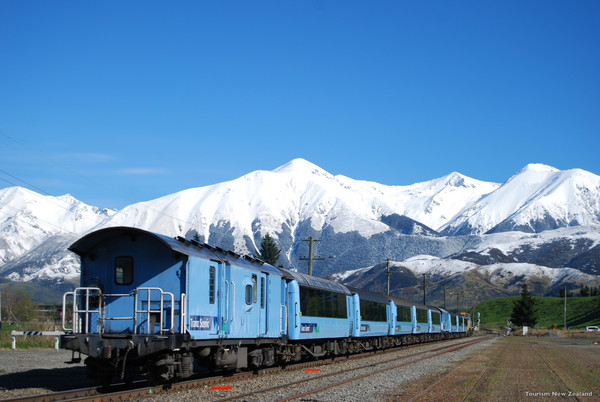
(517, 368)
(302, 388)
(453, 373)
(141, 390)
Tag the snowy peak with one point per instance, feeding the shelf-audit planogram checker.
(300, 167)
(537, 198)
(537, 168)
(29, 218)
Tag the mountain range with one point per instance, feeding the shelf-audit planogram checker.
(541, 216)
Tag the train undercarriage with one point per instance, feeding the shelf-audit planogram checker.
(167, 358)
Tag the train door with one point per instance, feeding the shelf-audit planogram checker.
(208, 294)
(263, 308)
(121, 281)
(227, 296)
(250, 317)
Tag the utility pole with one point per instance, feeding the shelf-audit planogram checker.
(457, 296)
(565, 315)
(310, 258)
(444, 297)
(424, 289)
(388, 275)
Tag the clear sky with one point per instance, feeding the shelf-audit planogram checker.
(117, 102)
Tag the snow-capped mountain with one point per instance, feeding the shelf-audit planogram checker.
(300, 195)
(27, 219)
(537, 198)
(48, 264)
(468, 282)
(359, 223)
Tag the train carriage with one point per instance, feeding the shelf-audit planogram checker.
(422, 319)
(317, 308)
(436, 320)
(373, 313)
(404, 318)
(138, 286)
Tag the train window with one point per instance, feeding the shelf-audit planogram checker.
(253, 288)
(322, 303)
(262, 292)
(124, 270)
(403, 314)
(372, 311)
(248, 294)
(421, 315)
(211, 285)
(435, 318)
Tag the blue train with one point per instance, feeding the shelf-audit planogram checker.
(168, 307)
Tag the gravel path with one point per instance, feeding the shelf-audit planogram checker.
(31, 372)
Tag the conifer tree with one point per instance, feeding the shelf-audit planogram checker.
(584, 291)
(524, 309)
(269, 252)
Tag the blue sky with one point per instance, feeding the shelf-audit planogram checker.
(117, 102)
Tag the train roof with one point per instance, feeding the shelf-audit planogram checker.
(188, 247)
(371, 296)
(403, 302)
(315, 282)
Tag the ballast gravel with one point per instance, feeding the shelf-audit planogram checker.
(377, 387)
(35, 372)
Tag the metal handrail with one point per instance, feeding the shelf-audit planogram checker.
(81, 314)
(183, 312)
(227, 302)
(149, 310)
(77, 311)
(283, 323)
(233, 301)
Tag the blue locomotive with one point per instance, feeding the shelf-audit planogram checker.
(168, 307)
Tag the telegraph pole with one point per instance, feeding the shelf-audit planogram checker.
(444, 297)
(424, 291)
(565, 315)
(388, 275)
(310, 258)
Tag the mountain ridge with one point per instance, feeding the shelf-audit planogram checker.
(359, 222)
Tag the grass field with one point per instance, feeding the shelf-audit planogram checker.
(581, 311)
(517, 368)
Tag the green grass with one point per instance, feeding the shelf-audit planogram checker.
(581, 311)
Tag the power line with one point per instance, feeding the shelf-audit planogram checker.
(41, 155)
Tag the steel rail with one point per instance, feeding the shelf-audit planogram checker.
(560, 381)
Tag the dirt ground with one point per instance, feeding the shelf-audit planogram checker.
(518, 368)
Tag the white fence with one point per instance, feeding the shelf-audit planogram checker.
(55, 334)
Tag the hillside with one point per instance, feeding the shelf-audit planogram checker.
(581, 311)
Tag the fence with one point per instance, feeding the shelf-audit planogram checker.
(55, 334)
